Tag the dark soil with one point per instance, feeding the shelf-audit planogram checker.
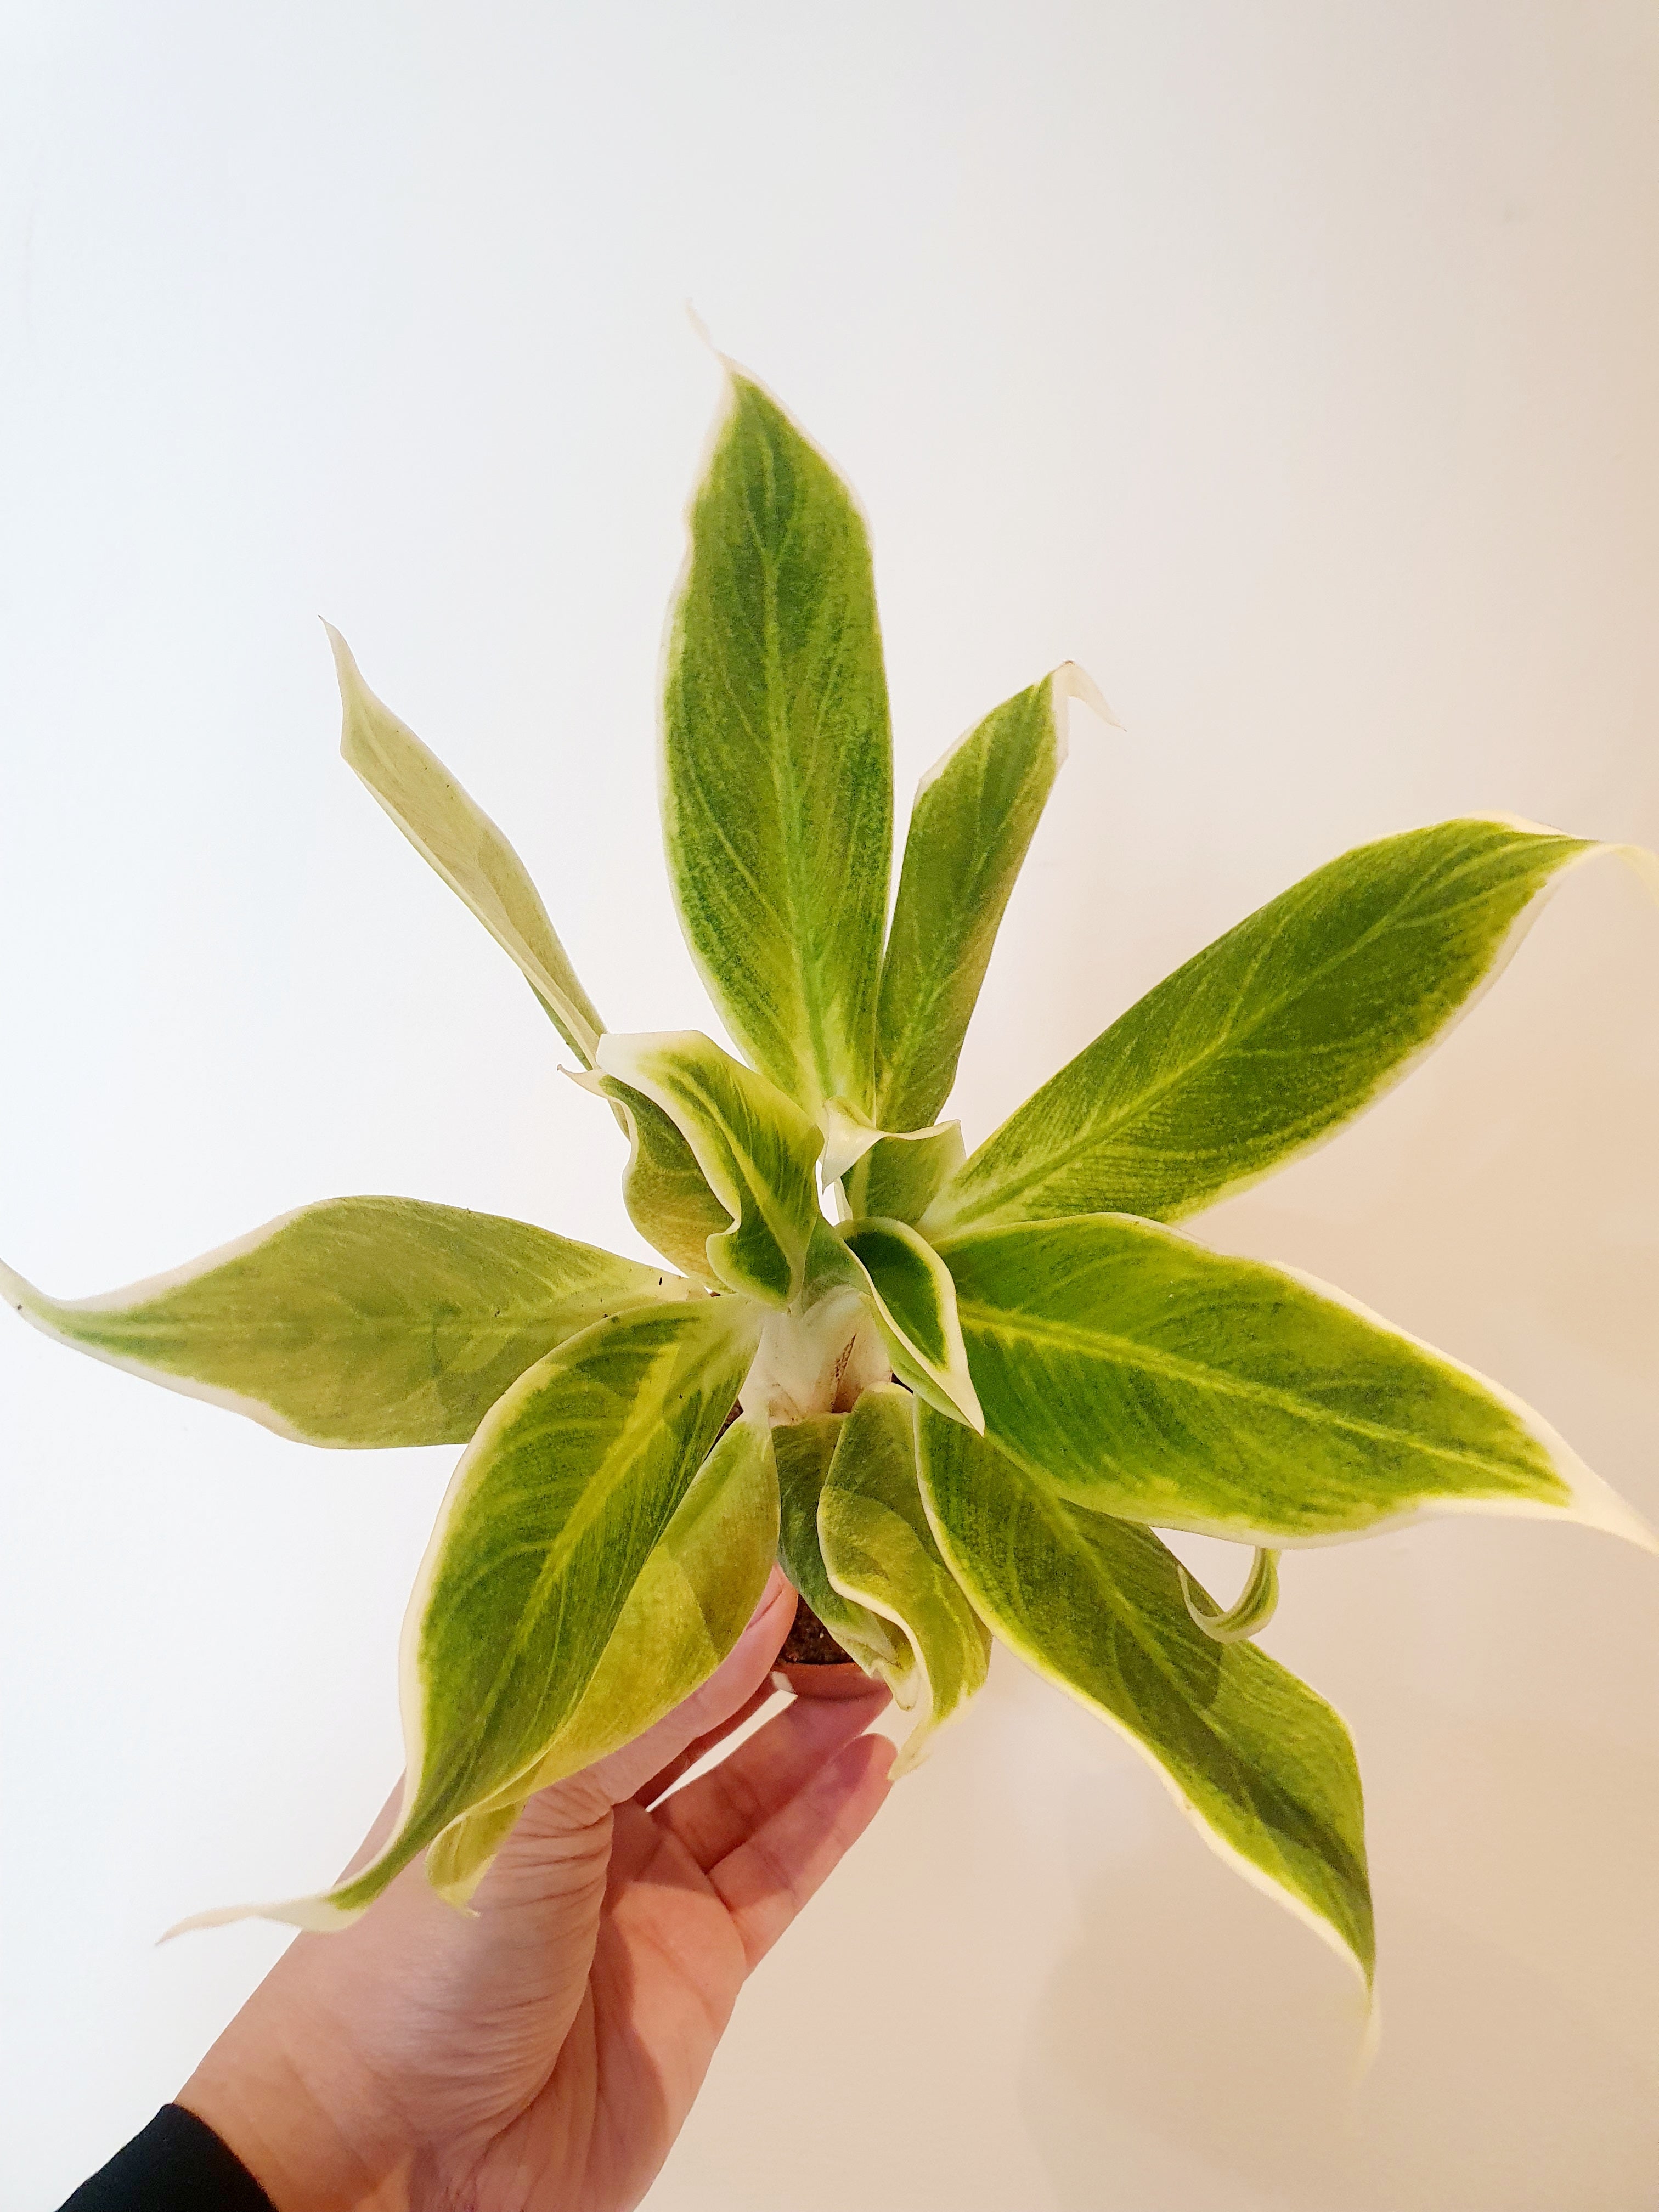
(809, 1643)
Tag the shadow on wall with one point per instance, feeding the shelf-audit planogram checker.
(1196, 2048)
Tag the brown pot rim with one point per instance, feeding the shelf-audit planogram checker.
(804, 1680)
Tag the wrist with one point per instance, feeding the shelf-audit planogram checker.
(310, 2151)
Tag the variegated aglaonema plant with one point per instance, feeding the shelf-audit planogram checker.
(954, 1396)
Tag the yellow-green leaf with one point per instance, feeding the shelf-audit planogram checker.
(1130, 1371)
(915, 1303)
(972, 823)
(666, 1192)
(453, 833)
(805, 1451)
(693, 1600)
(570, 1484)
(1272, 1037)
(1263, 1767)
(357, 1322)
(899, 1176)
(777, 778)
(1250, 1611)
(756, 1149)
(878, 1552)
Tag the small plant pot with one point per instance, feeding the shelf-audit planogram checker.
(811, 1664)
(845, 1679)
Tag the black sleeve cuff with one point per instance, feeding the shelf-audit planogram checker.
(177, 2165)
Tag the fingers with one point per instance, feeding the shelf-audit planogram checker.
(765, 1881)
(733, 1682)
(662, 1781)
(711, 1816)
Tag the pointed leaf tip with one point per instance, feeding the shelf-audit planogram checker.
(454, 836)
(1073, 680)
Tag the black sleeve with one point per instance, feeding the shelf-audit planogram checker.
(177, 2165)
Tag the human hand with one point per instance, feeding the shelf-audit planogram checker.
(545, 2053)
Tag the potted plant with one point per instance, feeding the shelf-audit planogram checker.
(955, 1394)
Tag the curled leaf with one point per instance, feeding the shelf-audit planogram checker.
(1250, 1612)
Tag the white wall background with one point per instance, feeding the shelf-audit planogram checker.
(1288, 365)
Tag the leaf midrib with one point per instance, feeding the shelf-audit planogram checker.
(1097, 1132)
(1340, 1860)
(1126, 1352)
(595, 1498)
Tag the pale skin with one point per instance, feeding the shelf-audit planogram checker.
(542, 2056)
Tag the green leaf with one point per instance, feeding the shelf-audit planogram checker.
(1262, 1766)
(359, 1321)
(975, 814)
(1272, 1036)
(1132, 1371)
(463, 844)
(777, 779)
(1249, 1613)
(915, 1301)
(898, 1177)
(805, 1451)
(879, 1552)
(570, 1484)
(756, 1149)
(666, 1192)
(693, 1600)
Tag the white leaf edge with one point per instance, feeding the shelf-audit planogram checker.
(1257, 1877)
(580, 1031)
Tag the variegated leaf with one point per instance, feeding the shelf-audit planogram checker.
(1130, 1371)
(570, 1484)
(693, 1600)
(777, 782)
(879, 1552)
(358, 1322)
(756, 1149)
(1272, 1037)
(1250, 1612)
(666, 1192)
(455, 834)
(1263, 1767)
(899, 1176)
(804, 1450)
(975, 814)
(915, 1303)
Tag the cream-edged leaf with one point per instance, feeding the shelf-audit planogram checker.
(693, 1597)
(1135, 1372)
(975, 814)
(666, 1192)
(453, 833)
(1250, 1611)
(756, 1151)
(1263, 1767)
(915, 1301)
(805, 1451)
(899, 1177)
(358, 1322)
(1273, 1036)
(777, 769)
(878, 1552)
(554, 1512)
